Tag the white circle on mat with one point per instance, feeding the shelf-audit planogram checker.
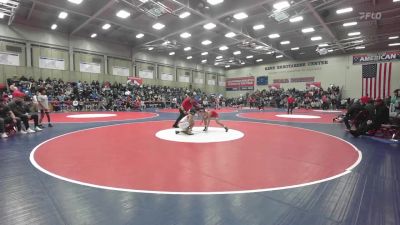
(85, 116)
(214, 134)
(296, 116)
(327, 111)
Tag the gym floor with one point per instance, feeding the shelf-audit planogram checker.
(131, 168)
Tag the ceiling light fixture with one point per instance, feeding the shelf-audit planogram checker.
(123, 14)
(150, 49)
(259, 60)
(317, 38)
(106, 26)
(227, 66)
(308, 30)
(172, 53)
(74, 1)
(186, 35)
(295, 48)
(270, 53)
(249, 57)
(204, 53)
(273, 36)
(223, 48)
(258, 27)
(158, 26)
(360, 47)
(330, 50)
(281, 5)
(358, 41)
(285, 42)
(209, 26)
(63, 15)
(215, 2)
(344, 10)
(93, 35)
(242, 63)
(219, 57)
(139, 35)
(393, 37)
(279, 56)
(323, 45)
(259, 47)
(354, 33)
(189, 57)
(349, 24)
(184, 15)
(237, 53)
(54, 26)
(206, 42)
(204, 61)
(296, 19)
(240, 16)
(187, 49)
(394, 44)
(230, 35)
(1, 15)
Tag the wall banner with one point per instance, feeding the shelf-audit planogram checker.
(294, 80)
(211, 82)
(54, 64)
(376, 58)
(166, 76)
(11, 59)
(120, 71)
(148, 74)
(240, 84)
(89, 67)
(263, 80)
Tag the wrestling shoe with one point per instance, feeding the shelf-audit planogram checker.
(30, 131)
(50, 125)
(205, 129)
(226, 129)
(175, 126)
(177, 132)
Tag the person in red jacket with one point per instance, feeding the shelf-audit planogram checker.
(211, 115)
(185, 108)
(290, 101)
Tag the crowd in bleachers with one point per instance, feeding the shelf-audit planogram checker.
(311, 98)
(86, 96)
(25, 97)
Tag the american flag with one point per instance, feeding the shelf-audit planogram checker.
(376, 80)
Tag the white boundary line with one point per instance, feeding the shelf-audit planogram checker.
(347, 170)
(152, 117)
(234, 111)
(239, 115)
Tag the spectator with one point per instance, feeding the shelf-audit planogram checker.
(20, 110)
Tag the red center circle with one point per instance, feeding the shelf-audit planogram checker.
(119, 116)
(133, 159)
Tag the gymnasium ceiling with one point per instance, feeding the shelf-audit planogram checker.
(89, 16)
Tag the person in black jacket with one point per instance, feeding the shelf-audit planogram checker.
(8, 117)
(352, 112)
(381, 116)
(21, 111)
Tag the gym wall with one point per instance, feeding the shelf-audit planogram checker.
(32, 44)
(339, 71)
